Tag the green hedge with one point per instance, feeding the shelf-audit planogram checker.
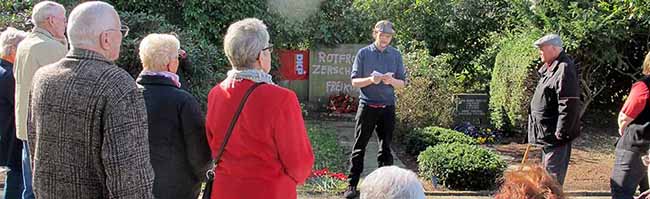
(418, 140)
(328, 153)
(207, 68)
(430, 87)
(514, 79)
(461, 166)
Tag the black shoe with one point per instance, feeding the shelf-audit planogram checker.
(351, 192)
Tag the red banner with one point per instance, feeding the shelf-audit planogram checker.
(294, 64)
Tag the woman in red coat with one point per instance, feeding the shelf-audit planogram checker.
(268, 153)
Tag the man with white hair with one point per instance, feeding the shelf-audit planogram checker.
(88, 121)
(44, 45)
(554, 119)
(391, 182)
(10, 147)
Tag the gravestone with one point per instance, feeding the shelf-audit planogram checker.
(329, 72)
(473, 108)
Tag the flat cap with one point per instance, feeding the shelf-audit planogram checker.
(550, 39)
(384, 26)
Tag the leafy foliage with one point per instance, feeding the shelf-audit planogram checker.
(420, 139)
(461, 166)
(15, 14)
(327, 151)
(513, 80)
(461, 28)
(430, 85)
(607, 39)
(206, 68)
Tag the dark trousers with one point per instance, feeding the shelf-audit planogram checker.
(556, 160)
(14, 183)
(628, 174)
(369, 119)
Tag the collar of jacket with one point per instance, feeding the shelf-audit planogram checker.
(78, 53)
(553, 66)
(157, 80)
(48, 35)
(5, 64)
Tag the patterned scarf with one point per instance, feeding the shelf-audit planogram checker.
(254, 75)
(167, 74)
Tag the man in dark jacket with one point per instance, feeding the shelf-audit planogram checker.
(554, 119)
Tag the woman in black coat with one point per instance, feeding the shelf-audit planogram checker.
(178, 145)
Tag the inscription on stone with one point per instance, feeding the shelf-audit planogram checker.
(473, 108)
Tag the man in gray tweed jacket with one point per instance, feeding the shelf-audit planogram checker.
(88, 120)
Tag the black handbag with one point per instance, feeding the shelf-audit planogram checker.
(207, 190)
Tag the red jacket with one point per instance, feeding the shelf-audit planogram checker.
(268, 153)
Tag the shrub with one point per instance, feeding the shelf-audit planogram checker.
(15, 14)
(458, 27)
(418, 140)
(513, 80)
(207, 67)
(327, 151)
(429, 88)
(461, 166)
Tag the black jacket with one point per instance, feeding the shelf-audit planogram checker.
(10, 146)
(179, 149)
(555, 107)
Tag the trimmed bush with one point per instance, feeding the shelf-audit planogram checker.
(418, 140)
(461, 166)
(513, 80)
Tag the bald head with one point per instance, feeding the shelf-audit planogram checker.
(95, 26)
(88, 20)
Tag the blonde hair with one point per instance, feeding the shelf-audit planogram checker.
(9, 40)
(646, 64)
(157, 50)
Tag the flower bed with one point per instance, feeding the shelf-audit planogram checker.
(325, 181)
(482, 135)
(342, 103)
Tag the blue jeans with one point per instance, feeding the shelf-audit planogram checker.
(27, 173)
(14, 183)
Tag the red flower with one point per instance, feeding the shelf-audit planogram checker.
(321, 172)
(339, 176)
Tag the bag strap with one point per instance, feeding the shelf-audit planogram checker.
(232, 125)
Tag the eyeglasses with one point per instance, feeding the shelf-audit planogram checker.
(270, 48)
(123, 29)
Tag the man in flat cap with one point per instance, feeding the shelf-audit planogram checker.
(378, 70)
(554, 119)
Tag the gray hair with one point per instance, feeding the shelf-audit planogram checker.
(9, 40)
(244, 41)
(157, 50)
(88, 20)
(391, 182)
(45, 9)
